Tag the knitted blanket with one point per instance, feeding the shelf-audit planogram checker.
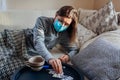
(13, 52)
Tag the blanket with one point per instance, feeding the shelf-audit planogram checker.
(13, 52)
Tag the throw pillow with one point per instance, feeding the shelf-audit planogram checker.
(103, 20)
(118, 15)
(99, 60)
(85, 12)
(84, 34)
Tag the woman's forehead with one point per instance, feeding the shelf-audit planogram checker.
(65, 19)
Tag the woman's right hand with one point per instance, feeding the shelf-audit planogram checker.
(56, 64)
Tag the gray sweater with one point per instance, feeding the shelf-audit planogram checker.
(45, 37)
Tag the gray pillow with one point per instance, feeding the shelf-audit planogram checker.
(100, 60)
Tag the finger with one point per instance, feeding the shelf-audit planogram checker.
(55, 66)
(59, 66)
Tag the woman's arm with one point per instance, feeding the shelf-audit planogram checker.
(70, 48)
(39, 37)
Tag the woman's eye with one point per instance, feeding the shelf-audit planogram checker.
(66, 24)
(61, 21)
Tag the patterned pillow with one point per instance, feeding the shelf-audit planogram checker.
(103, 20)
(118, 15)
(85, 12)
(84, 34)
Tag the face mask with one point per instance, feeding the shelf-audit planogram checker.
(58, 26)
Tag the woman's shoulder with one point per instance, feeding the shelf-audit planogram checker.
(44, 18)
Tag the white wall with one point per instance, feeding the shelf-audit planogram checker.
(47, 4)
(2, 4)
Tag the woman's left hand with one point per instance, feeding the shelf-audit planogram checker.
(64, 58)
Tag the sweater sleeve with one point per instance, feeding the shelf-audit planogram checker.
(70, 48)
(39, 37)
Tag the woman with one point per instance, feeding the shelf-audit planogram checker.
(50, 31)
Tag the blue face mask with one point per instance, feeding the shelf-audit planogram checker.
(58, 26)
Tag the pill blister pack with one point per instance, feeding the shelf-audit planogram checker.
(67, 78)
(61, 76)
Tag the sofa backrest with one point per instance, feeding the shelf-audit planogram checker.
(21, 19)
(15, 19)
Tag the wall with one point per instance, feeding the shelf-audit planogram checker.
(55, 4)
(47, 4)
(2, 4)
(99, 3)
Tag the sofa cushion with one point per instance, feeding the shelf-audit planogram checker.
(99, 60)
(112, 36)
(84, 34)
(103, 20)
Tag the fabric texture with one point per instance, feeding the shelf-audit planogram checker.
(112, 36)
(84, 34)
(118, 15)
(13, 52)
(99, 60)
(85, 12)
(103, 20)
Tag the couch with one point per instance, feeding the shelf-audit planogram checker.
(99, 54)
(22, 19)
